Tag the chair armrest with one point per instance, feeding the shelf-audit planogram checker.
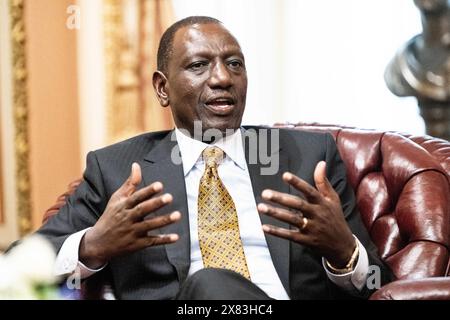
(61, 200)
(421, 289)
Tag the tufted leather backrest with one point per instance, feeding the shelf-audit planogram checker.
(402, 187)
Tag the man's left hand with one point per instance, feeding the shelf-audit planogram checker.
(318, 221)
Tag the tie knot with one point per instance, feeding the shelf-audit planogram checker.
(212, 156)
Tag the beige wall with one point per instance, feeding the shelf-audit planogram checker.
(53, 102)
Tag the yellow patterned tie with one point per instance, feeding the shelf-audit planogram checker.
(218, 226)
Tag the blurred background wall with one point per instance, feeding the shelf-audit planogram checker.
(320, 60)
(85, 78)
(54, 123)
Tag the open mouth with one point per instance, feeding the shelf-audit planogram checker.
(220, 106)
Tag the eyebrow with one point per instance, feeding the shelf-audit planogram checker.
(224, 54)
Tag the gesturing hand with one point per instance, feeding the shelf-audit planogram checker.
(318, 219)
(121, 228)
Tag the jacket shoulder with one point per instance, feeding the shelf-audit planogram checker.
(289, 134)
(142, 143)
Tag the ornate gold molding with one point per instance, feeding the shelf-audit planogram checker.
(122, 81)
(130, 45)
(156, 17)
(112, 20)
(20, 107)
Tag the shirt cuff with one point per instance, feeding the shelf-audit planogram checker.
(67, 258)
(355, 279)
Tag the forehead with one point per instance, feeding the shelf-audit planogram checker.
(200, 39)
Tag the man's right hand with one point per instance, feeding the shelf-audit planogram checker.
(121, 228)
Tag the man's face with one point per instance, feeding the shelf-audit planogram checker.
(207, 79)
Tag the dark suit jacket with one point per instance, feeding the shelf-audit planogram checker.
(157, 272)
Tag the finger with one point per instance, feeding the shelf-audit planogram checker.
(130, 185)
(149, 206)
(143, 194)
(292, 235)
(294, 219)
(287, 200)
(156, 240)
(158, 222)
(310, 193)
(321, 180)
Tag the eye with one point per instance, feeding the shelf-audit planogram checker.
(235, 64)
(198, 65)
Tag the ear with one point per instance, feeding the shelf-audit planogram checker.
(160, 86)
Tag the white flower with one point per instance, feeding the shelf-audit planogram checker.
(27, 269)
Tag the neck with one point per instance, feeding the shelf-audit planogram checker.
(208, 136)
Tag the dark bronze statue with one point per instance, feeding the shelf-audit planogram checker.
(422, 67)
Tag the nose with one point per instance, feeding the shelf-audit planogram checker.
(220, 76)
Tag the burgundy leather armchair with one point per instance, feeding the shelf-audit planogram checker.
(402, 187)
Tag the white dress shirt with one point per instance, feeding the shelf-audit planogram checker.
(235, 176)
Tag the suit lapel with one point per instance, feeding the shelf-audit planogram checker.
(254, 138)
(163, 164)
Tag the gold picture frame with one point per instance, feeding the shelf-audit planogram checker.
(15, 201)
(20, 111)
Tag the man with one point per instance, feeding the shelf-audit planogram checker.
(190, 229)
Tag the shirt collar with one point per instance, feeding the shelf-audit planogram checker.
(191, 149)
